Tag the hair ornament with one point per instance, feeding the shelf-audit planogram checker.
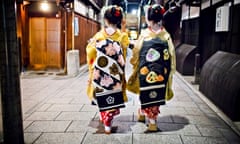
(117, 12)
(162, 11)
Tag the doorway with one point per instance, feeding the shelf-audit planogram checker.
(45, 49)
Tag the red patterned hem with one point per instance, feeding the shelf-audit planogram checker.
(107, 116)
(152, 112)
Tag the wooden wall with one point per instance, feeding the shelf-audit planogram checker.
(87, 29)
(235, 34)
(190, 31)
(211, 41)
(23, 35)
(201, 32)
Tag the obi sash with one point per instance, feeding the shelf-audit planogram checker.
(154, 69)
(108, 75)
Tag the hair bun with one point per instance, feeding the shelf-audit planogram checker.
(156, 12)
(113, 14)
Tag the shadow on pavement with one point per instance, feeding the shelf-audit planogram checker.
(126, 124)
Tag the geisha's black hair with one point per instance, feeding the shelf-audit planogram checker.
(155, 13)
(113, 14)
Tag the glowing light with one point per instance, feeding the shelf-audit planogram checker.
(26, 3)
(134, 11)
(44, 6)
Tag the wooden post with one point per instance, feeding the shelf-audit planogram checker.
(9, 72)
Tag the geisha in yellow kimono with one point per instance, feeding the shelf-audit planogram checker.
(106, 54)
(153, 63)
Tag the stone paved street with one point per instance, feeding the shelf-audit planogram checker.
(56, 110)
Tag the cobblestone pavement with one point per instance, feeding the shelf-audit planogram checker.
(56, 110)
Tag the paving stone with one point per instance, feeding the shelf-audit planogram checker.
(124, 117)
(60, 138)
(69, 94)
(193, 111)
(48, 126)
(59, 100)
(76, 116)
(203, 140)
(156, 138)
(44, 107)
(206, 109)
(29, 138)
(82, 126)
(65, 107)
(26, 124)
(96, 117)
(165, 110)
(138, 128)
(28, 104)
(81, 100)
(179, 93)
(123, 127)
(209, 131)
(107, 139)
(88, 107)
(197, 100)
(43, 116)
(200, 120)
(162, 118)
(180, 119)
(25, 115)
(180, 129)
(183, 98)
(189, 104)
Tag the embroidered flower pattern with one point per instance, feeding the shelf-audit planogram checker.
(114, 69)
(110, 49)
(106, 81)
(152, 55)
(110, 100)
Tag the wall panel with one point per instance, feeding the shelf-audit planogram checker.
(87, 28)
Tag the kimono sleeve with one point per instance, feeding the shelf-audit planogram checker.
(125, 43)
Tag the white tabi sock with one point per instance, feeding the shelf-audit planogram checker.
(152, 121)
(107, 128)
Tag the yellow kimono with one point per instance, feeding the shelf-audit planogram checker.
(119, 36)
(133, 82)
